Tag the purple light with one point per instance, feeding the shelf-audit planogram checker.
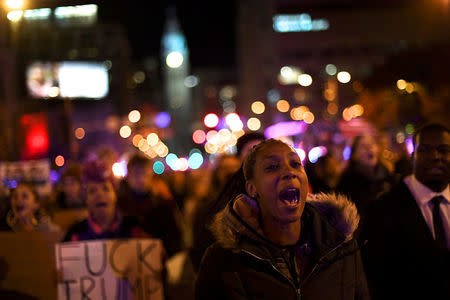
(222, 124)
(285, 129)
(162, 119)
(346, 153)
(409, 145)
(54, 176)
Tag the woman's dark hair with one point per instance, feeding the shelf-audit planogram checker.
(246, 138)
(29, 186)
(250, 160)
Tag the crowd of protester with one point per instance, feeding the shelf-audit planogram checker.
(216, 223)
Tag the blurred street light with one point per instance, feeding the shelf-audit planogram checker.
(174, 59)
(343, 77)
(14, 4)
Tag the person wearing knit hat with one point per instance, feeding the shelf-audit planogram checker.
(104, 220)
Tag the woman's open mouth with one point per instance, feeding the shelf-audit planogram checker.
(290, 196)
(19, 208)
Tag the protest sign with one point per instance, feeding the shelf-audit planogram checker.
(27, 265)
(121, 269)
(34, 171)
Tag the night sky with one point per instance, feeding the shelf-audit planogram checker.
(209, 28)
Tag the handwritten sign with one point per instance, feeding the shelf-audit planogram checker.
(110, 269)
(35, 171)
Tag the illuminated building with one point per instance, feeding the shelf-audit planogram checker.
(323, 38)
(177, 97)
(84, 64)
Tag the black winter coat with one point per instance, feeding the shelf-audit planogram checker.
(324, 264)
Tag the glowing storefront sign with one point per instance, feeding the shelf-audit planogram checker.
(76, 11)
(298, 23)
(63, 12)
(35, 14)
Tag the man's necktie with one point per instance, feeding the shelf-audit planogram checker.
(439, 230)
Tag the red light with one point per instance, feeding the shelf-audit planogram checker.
(211, 120)
(199, 136)
(36, 139)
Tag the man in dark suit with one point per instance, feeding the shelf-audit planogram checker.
(409, 227)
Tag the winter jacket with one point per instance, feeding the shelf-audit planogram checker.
(44, 224)
(157, 215)
(122, 227)
(324, 264)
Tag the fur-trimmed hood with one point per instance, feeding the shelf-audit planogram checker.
(240, 218)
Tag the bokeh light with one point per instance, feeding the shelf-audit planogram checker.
(305, 80)
(283, 106)
(158, 167)
(119, 169)
(409, 88)
(53, 92)
(174, 59)
(199, 136)
(125, 131)
(14, 4)
(80, 133)
(162, 119)
(136, 139)
(182, 164)
(308, 117)
(344, 77)
(297, 112)
(346, 153)
(210, 135)
(258, 107)
(152, 139)
(253, 124)
(195, 160)
(234, 122)
(346, 114)
(331, 69)
(332, 108)
(134, 116)
(401, 84)
(191, 81)
(14, 15)
(301, 153)
(59, 160)
(171, 160)
(400, 137)
(409, 145)
(316, 152)
(273, 95)
(409, 129)
(211, 120)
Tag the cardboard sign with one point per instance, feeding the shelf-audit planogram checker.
(65, 218)
(122, 269)
(27, 263)
(34, 171)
